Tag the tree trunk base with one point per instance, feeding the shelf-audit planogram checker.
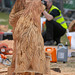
(10, 71)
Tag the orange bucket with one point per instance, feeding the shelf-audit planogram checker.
(52, 51)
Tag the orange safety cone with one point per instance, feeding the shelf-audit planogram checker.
(69, 38)
(52, 51)
(43, 25)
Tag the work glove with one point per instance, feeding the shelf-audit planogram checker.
(44, 2)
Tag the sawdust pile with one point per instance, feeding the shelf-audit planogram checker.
(28, 43)
(8, 42)
(3, 28)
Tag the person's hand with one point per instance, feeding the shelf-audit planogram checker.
(43, 7)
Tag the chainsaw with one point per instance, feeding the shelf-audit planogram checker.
(4, 60)
(5, 50)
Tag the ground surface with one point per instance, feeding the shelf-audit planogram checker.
(58, 68)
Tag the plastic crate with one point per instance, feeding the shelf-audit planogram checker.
(1, 35)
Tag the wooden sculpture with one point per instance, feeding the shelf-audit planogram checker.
(28, 56)
(72, 26)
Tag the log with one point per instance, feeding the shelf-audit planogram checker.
(3, 70)
(28, 52)
(47, 55)
(27, 73)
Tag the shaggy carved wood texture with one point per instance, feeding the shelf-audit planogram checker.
(28, 52)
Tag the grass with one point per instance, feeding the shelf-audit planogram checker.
(5, 17)
(64, 39)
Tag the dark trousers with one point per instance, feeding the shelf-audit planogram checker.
(54, 31)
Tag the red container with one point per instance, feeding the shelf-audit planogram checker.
(1, 35)
(52, 51)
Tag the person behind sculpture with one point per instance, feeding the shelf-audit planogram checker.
(55, 24)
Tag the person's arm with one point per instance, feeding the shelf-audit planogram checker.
(47, 16)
